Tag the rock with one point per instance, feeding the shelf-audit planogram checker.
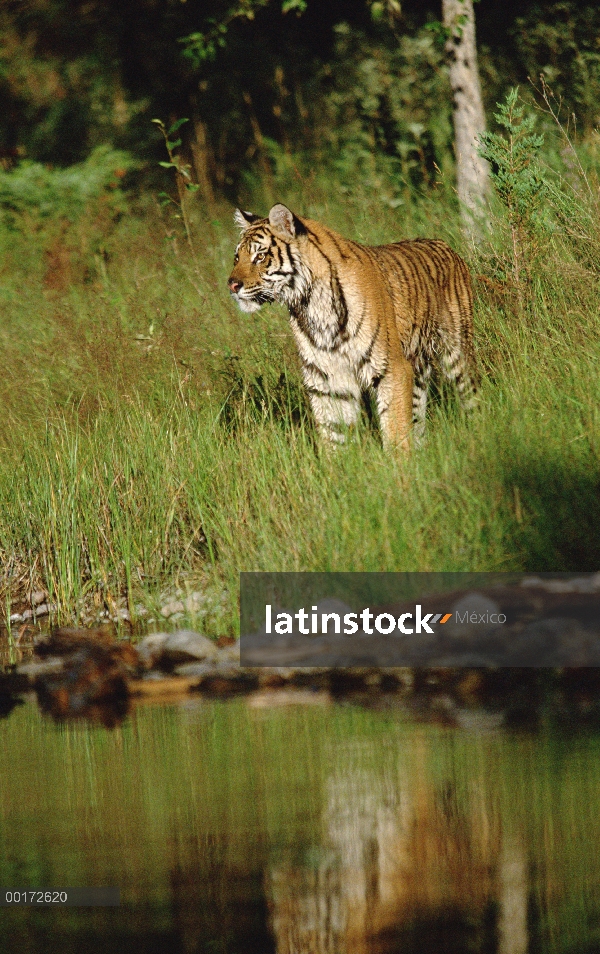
(150, 648)
(185, 644)
(552, 642)
(230, 653)
(167, 650)
(176, 606)
(194, 602)
(208, 668)
(192, 669)
(478, 605)
(43, 610)
(575, 584)
(475, 603)
(297, 639)
(37, 597)
(275, 677)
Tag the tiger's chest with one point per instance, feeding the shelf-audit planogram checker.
(344, 361)
(341, 335)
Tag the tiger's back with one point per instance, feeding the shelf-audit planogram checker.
(365, 318)
(433, 305)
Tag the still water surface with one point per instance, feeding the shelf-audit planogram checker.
(299, 831)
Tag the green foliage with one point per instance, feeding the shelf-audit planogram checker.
(561, 41)
(391, 10)
(516, 174)
(388, 117)
(40, 192)
(75, 76)
(202, 46)
(61, 84)
(294, 6)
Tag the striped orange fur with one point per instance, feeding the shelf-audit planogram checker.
(365, 318)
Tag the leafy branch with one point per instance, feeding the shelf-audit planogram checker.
(183, 176)
(203, 46)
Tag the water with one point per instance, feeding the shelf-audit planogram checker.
(331, 829)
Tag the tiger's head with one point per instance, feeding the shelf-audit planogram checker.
(268, 261)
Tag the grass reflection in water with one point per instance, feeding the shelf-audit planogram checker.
(300, 831)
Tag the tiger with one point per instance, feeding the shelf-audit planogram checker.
(366, 319)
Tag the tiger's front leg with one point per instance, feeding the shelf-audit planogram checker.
(394, 396)
(335, 411)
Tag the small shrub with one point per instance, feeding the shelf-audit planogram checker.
(32, 191)
(517, 178)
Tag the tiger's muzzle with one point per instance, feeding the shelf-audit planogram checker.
(247, 302)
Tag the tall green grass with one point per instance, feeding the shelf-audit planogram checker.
(153, 437)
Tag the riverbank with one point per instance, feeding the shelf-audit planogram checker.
(88, 675)
(154, 440)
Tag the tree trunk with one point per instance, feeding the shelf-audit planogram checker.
(472, 173)
(201, 156)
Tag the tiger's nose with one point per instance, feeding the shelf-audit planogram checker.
(234, 286)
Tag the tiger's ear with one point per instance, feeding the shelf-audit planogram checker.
(244, 219)
(284, 222)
